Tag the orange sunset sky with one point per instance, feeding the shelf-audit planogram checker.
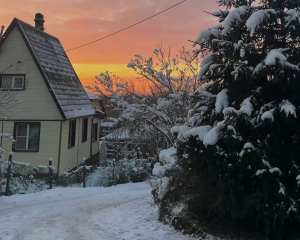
(76, 22)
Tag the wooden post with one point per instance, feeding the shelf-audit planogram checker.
(9, 162)
(83, 172)
(50, 173)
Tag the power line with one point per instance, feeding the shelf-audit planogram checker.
(144, 20)
(107, 36)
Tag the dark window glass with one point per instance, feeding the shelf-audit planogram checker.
(33, 140)
(6, 83)
(72, 133)
(27, 136)
(19, 81)
(95, 132)
(84, 129)
(12, 83)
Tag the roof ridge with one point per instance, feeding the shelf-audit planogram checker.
(57, 71)
(43, 32)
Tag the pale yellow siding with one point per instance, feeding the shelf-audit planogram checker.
(37, 105)
(70, 157)
(36, 100)
(96, 104)
(49, 144)
(95, 144)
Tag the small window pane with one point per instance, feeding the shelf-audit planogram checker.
(72, 133)
(21, 143)
(84, 129)
(22, 130)
(33, 143)
(34, 132)
(6, 83)
(19, 82)
(95, 131)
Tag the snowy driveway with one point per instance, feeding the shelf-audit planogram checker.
(121, 212)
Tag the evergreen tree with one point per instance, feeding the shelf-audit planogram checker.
(239, 151)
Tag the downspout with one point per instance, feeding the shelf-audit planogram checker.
(2, 131)
(59, 150)
(91, 137)
(1, 33)
(78, 139)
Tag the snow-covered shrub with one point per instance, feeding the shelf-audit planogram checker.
(25, 178)
(74, 177)
(244, 168)
(122, 171)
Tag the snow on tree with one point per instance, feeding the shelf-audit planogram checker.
(165, 101)
(245, 167)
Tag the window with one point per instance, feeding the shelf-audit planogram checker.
(95, 132)
(27, 136)
(72, 133)
(12, 82)
(84, 129)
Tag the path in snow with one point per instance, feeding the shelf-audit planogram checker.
(120, 212)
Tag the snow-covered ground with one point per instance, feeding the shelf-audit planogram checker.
(120, 212)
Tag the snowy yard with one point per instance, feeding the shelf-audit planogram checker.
(120, 212)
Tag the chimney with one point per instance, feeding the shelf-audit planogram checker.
(39, 21)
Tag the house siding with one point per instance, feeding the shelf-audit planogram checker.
(48, 147)
(37, 105)
(95, 144)
(71, 157)
(36, 101)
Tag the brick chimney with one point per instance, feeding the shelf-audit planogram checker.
(39, 21)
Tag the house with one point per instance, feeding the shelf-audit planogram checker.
(97, 104)
(54, 116)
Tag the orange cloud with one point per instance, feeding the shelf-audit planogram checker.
(76, 22)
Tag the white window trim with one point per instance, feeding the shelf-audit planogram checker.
(13, 83)
(27, 136)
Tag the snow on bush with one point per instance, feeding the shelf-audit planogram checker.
(123, 171)
(168, 158)
(259, 17)
(222, 100)
(288, 108)
(25, 178)
(212, 137)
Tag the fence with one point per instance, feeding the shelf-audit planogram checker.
(23, 178)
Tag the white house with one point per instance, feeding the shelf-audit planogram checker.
(54, 116)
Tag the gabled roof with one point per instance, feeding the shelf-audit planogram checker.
(56, 69)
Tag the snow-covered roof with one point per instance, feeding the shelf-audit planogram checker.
(57, 71)
(118, 134)
(99, 114)
(92, 96)
(108, 124)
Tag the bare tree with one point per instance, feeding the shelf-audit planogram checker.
(168, 80)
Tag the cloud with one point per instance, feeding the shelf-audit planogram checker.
(81, 21)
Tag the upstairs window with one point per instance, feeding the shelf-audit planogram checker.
(84, 129)
(95, 132)
(72, 133)
(27, 136)
(10, 82)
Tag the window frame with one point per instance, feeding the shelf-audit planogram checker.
(84, 130)
(70, 143)
(14, 76)
(14, 148)
(94, 138)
